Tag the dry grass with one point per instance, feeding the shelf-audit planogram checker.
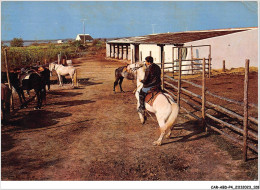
(240, 70)
(215, 72)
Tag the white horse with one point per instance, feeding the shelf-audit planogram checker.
(164, 107)
(63, 70)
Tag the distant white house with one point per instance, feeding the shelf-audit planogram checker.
(60, 41)
(88, 38)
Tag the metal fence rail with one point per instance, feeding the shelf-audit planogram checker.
(204, 106)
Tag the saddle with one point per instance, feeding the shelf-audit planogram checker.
(152, 94)
(26, 75)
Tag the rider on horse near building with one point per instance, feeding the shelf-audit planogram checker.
(151, 81)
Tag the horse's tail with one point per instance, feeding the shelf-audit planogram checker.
(173, 116)
(116, 71)
(43, 89)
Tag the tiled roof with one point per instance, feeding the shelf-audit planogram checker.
(87, 37)
(178, 37)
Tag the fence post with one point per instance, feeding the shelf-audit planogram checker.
(8, 79)
(203, 95)
(245, 123)
(163, 57)
(209, 61)
(224, 66)
(192, 63)
(173, 62)
(179, 79)
(140, 58)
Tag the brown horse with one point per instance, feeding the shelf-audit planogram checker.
(121, 73)
(31, 81)
(5, 101)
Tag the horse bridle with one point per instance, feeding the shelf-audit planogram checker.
(137, 67)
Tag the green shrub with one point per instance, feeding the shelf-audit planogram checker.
(27, 56)
(16, 42)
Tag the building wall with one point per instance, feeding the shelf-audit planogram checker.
(108, 50)
(233, 48)
(155, 51)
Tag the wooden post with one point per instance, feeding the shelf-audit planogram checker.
(63, 61)
(179, 79)
(140, 58)
(173, 62)
(150, 53)
(191, 49)
(209, 61)
(224, 66)
(77, 82)
(8, 79)
(109, 50)
(120, 54)
(114, 51)
(59, 58)
(132, 55)
(122, 51)
(163, 57)
(117, 56)
(203, 109)
(126, 52)
(245, 110)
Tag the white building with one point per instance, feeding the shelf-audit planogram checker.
(232, 45)
(87, 38)
(60, 41)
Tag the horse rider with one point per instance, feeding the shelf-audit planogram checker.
(151, 81)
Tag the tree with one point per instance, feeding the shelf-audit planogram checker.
(17, 42)
(78, 44)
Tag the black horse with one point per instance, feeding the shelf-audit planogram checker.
(46, 74)
(43, 72)
(31, 81)
(120, 74)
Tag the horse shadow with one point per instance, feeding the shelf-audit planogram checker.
(26, 164)
(65, 104)
(86, 82)
(196, 133)
(65, 80)
(35, 119)
(7, 142)
(63, 94)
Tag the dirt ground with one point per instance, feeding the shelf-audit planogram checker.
(89, 133)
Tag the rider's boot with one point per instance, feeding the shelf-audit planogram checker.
(141, 101)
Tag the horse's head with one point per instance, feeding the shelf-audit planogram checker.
(51, 66)
(138, 68)
(135, 66)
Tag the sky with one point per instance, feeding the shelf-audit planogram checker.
(46, 20)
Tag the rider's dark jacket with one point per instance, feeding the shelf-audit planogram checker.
(152, 76)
